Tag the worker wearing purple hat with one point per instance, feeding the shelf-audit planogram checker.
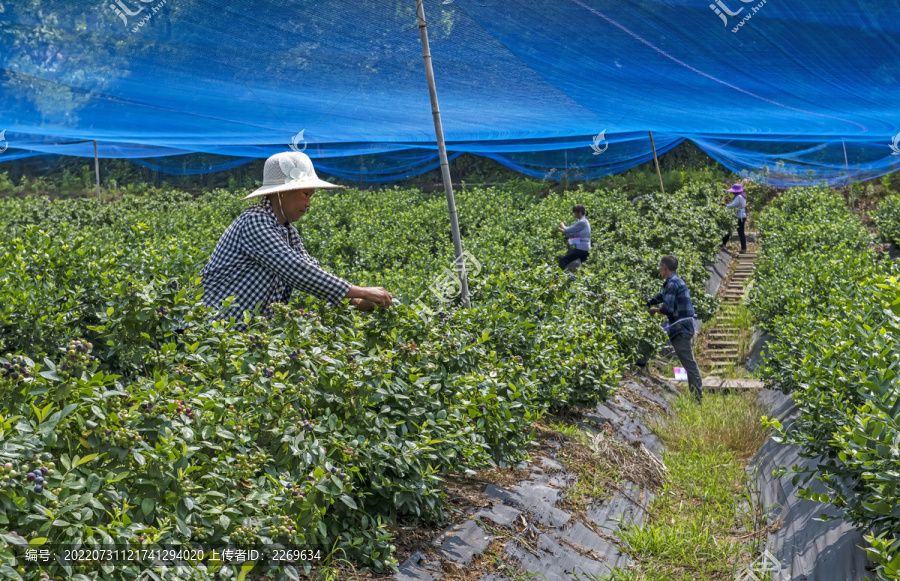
(739, 203)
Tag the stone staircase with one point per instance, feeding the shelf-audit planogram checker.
(722, 350)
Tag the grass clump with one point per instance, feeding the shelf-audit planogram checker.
(698, 525)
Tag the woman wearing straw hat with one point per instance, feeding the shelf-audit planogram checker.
(260, 258)
(739, 203)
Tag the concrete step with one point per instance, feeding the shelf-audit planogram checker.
(714, 344)
(715, 383)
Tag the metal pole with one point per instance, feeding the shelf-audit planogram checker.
(846, 163)
(566, 171)
(442, 151)
(97, 171)
(656, 159)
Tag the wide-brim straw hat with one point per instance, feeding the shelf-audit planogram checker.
(288, 171)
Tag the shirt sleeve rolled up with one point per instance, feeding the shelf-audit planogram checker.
(263, 245)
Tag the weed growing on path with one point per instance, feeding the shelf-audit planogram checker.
(698, 523)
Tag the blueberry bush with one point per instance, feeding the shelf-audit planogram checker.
(322, 426)
(887, 217)
(833, 306)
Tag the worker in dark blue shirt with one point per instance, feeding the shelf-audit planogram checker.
(675, 304)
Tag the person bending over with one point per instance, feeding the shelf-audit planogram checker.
(579, 235)
(260, 258)
(675, 303)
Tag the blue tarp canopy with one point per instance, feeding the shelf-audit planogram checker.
(786, 92)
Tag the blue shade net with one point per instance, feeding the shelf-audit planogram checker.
(777, 91)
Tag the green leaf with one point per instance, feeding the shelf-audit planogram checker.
(85, 460)
(349, 502)
(93, 483)
(182, 528)
(245, 569)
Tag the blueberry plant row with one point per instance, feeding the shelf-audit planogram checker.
(887, 217)
(833, 305)
(321, 427)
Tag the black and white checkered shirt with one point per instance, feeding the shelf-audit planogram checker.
(260, 261)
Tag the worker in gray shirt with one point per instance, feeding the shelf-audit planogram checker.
(579, 237)
(739, 204)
